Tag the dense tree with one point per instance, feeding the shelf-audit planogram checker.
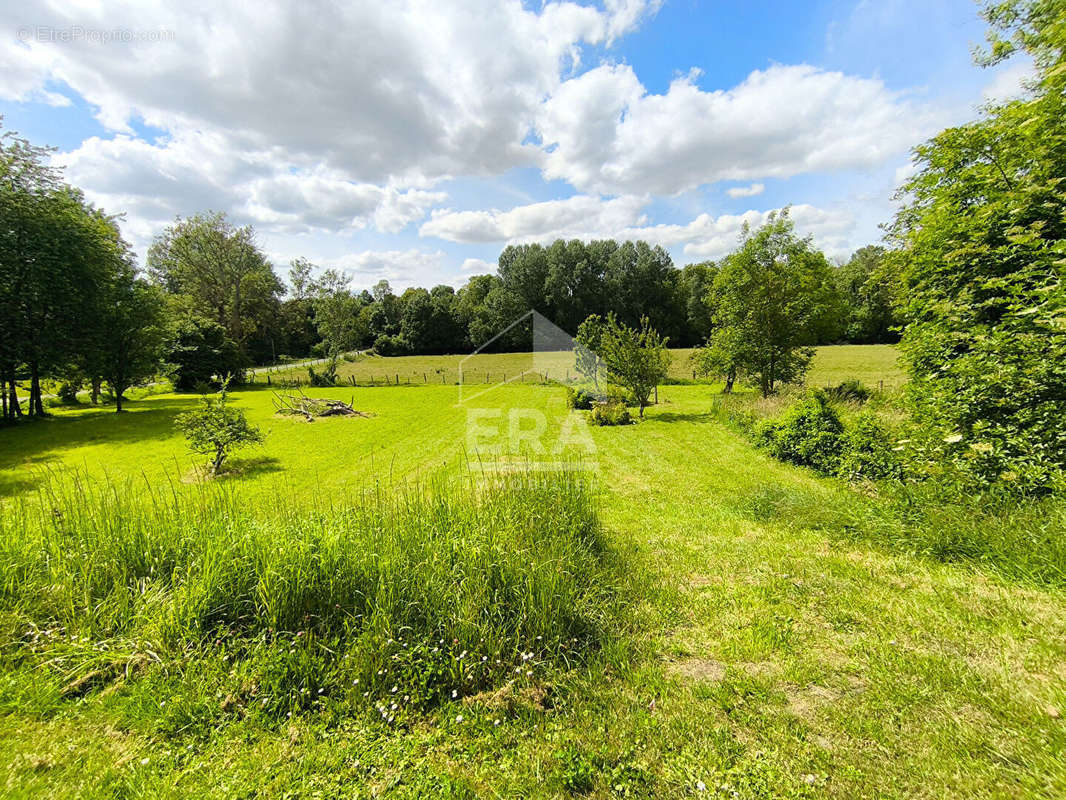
(200, 351)
(866, 294)
(221, 269)
(57, 255)
(338, 314)
(981, 242)
(135, 336)
(768, 297)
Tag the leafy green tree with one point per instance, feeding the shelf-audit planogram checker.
(217, 429)
(134, 339)
(981, 249)
(337, 314)
(866, 291)
(200, 350)
(724, 356)
(767, 298)
(635, 359)
(587, 343)
(57, 253)
(221, 269)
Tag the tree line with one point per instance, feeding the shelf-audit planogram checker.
(74, 308)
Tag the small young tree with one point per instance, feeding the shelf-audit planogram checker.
(216, 428)
(587, 345)
(634, 359)
(769, 299)
(721, 357)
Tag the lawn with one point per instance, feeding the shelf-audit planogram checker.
(761, 650)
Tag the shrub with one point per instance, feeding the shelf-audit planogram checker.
(216, 428)
(868, 451)
(610, 413)
(809, 433)
(849, 391)
(579, 398)
(328, 375)
(68, 392)
(386, 345)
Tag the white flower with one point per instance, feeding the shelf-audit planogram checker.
(701, 786)
(458, 717)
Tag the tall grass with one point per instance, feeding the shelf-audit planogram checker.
(421, 593)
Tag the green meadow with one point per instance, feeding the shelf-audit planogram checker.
(361, 608)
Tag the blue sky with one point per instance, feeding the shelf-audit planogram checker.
(413, 140)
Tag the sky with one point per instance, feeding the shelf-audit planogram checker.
(412, 140)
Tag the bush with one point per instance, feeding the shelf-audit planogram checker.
(328, 375)
(386, 345)
(610, 414)
(809, 433)
(868, 451)
(849, 391)
(68, 392)
(579, 398)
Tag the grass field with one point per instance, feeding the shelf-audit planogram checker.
(759, 643)
(873, 364)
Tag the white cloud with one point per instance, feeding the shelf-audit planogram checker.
(580, 216)
(746, 191)
(1008, 82)
(477, 265)
(584, 217)
(609, 136)
(401, 268)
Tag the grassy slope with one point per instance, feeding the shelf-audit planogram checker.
(767, 658)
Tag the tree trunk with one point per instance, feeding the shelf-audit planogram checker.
(95, 391)
(118, 401)
(15, 405)
(220, 456)
(36, 401)
(730, 379)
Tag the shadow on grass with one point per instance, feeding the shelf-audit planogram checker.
(677, 416)
(249, 467)
(40, 442)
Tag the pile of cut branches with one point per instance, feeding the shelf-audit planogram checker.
(310, 408)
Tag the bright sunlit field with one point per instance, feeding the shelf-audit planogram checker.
(685, 613)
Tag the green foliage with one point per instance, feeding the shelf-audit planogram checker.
(579, 398)
(587, 343)
(809, 433)
(221, 272)
(328, 375)
(610, 413)
(217, 428)
(635, 359)
(866, 294)
(849, 391)
(770, 299)
(200, 351)
(982, 262)
(68, 392)
(386, 345)
(869, 451)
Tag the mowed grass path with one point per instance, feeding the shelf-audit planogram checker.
(768, 656)
(871, 364)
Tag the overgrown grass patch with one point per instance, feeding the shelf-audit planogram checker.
(394, 601)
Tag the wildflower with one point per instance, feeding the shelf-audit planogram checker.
(458, 717)
(495, 722)
(144, 761)
(701, 786)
